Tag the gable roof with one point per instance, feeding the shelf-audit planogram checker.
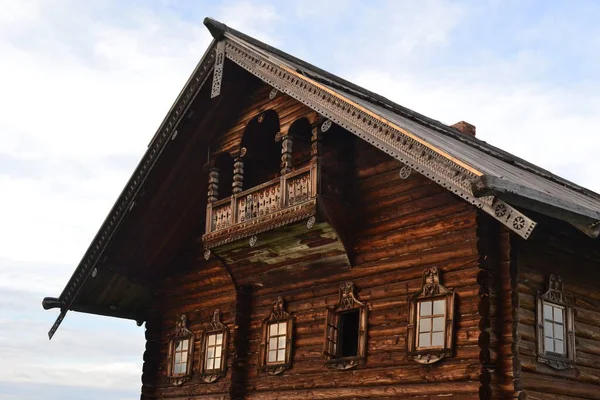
(481, 174)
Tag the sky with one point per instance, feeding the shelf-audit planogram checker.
(85, 84)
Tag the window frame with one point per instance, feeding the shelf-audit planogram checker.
(180, 333)
(277, 315)
(554, 296)
(431, 291)
(347, 302)
(215, 327)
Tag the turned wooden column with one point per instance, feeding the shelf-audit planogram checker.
(286, 152)
(238, 172)
(213, 184)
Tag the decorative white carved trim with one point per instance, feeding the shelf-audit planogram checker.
(404, 172)
(376, 131)
(273, 94)
(218, 70)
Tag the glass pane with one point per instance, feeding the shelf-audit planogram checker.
(559, 346)
(177, 357)
(281, 355)
(282, 340)
(219, 338)
(425, 308)
(218, 351)
(548, 344)
(177, 369)
(548, 332)
(424, 340)
(559, 331)
(210, 352)
(183, 366)
(273, 343)
(273, 330)
(282, 328)
(184, 344)
(211, 340)
(438, 324)
(439, 307)
(437, 339)
(218, 362)
(547, 311)
(177, 345)
(272, 355)
(184, 357)
(558, 314)
(210, 363)
(425, 325)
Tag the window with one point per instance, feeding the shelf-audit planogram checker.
(555, 327)
(276, 346)
(214, 349)
(431, 316)
(180, 353)
(346, 330)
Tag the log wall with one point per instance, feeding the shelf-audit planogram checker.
(560, 250)
(401, 226)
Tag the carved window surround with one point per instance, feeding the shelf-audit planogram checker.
(281, 201)
(333, 330)
(431, 294)
(209, 373)
(398, 142)
(553, 300)
(181, 352)
(277, 327)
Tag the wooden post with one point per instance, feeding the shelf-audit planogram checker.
(238, 173)
(213, 184)
(286, 153)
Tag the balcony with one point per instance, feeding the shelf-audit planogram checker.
(281, 201)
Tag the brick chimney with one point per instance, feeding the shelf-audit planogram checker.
(465, 127)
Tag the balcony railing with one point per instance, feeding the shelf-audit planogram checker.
(261, 203)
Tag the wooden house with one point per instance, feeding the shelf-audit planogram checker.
(289, 234)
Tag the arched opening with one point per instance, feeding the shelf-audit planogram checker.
(263, 154)
(301, 134)
(224, 164)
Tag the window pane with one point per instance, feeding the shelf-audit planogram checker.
(272, 355)
(425, 308)
(424, 340)
(438, 324)
(439, 307)
(183, 367)
(559, 331)
(558, 314)
(218, 362)
(548, 344)
(425, 325)
(210, 352)
(282, 328)
(281, 355)
(184, 357)
(547, 311)
(178, 345)
(272, 329)
(218, 351)
(559, 346)
(210, 363)
(273, 343)
(177, 357)
(437, 339)
(219, 338)
(184, 344)
(211, 340)
(177, 369)
(548, 332)
(282, 340)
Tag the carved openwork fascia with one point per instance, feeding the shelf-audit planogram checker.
(287, 199)
(554, 298)
(135, 183)
(331, 347)
(214, 327)
(218, 70)
(278, 318)
(398, 142)
(180, 334)
(431, 293)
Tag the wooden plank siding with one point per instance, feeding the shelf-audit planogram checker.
(560, 250)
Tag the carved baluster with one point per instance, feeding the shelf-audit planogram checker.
(238, 173)
(286, 152)
(213, 184)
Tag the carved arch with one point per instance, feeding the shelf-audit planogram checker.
(259, 149)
